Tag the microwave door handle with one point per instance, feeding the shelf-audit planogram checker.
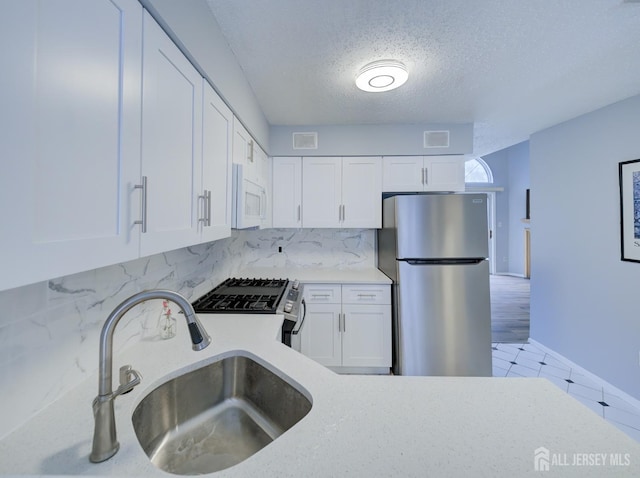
(263, 203)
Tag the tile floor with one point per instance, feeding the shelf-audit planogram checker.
(526, 360)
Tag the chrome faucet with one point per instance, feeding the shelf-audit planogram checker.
(105, 443)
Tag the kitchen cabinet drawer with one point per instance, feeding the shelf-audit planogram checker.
(322, 293)
(366, 294)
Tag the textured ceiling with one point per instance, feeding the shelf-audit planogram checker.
(511, 67)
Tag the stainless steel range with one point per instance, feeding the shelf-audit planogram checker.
(257, 296)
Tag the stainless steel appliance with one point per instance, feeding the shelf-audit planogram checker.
(435, 247)
(249, 200)
(257, 296)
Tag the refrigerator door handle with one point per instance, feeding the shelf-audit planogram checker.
(445, 262)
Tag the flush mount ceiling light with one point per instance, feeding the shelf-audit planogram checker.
(383, 75)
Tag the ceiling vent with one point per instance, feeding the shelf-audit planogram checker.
(305, 140)
(436, 139)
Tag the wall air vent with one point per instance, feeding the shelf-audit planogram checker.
(436, 139)
(305, 140)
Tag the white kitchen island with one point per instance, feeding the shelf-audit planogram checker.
(358, 425)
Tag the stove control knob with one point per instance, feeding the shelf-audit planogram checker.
(288, 307)
(296, 285)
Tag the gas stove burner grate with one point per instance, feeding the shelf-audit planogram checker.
(271, 283)
(252, 296)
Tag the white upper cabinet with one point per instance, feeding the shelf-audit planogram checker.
(217, 138)
(362, 192)
(342, 192)
(171, 143)
(71, 142)
(251, 181)
(322, 192)
(243, 150)
(287, 192)
(263, 166)
(444, 173)
(423, 173)
(402, 173)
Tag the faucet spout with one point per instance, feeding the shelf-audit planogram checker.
(105, 443)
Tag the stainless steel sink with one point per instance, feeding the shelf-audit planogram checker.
(216, 416)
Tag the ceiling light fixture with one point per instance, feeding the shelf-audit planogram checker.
(383, 75)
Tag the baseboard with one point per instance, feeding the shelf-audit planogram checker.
(512, 274)
(601, 382)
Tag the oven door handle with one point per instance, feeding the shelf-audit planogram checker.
(304, 314)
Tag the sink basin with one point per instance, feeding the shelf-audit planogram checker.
(217, 416)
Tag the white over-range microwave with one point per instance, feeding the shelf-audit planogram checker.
(249, 205)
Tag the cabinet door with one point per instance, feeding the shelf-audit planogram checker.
(321, 192)
(366, 336)
(402, 173)
(263, 167)
(287, 192)
(171, 143)
(70, 96)
(321, 338)
(362, 192)
(243, 151)
(217, 137)
(444, 173)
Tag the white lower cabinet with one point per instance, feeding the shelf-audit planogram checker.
(348, 327)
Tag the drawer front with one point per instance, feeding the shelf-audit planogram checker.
(322, 293)
(366, 294)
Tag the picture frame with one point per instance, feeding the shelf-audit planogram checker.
(629, 177)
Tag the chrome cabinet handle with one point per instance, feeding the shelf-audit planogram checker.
(263, 203)
(299, 213)
(143, 205)
(426, 176)
(206, 208)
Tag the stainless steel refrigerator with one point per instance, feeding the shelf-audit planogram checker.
(435, 247)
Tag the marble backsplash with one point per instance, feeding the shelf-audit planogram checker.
(49, 331)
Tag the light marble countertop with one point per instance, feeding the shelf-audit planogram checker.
(360, 426)
(319, 275)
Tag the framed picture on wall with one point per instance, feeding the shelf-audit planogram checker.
(629, 172)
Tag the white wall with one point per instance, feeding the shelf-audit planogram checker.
(584, 299)
(371, 140)
(498, 162)
(510, 168)
(49, 331)
(518, 160)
